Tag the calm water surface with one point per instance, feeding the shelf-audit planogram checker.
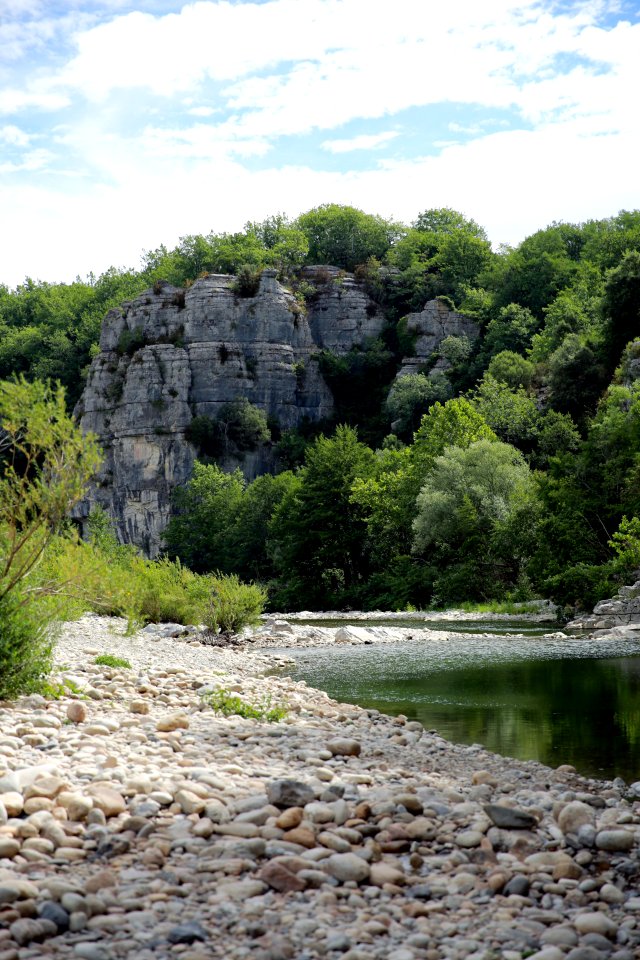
(559, 700)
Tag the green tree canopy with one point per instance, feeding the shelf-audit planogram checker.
(201, 534)
(318, 532)
(344, 236)
(410, 397)
(476, 513)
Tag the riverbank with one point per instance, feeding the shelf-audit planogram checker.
(535, 611)
(304, 630)
(139, 824)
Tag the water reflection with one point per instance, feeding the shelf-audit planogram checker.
(582, 710)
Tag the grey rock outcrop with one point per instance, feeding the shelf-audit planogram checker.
(173, 354)
(341, 315)
(620, 615)
(432, 325)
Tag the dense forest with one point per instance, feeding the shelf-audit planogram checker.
(514, 474)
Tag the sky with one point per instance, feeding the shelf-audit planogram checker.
(126, 124)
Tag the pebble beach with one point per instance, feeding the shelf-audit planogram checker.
(136, 822)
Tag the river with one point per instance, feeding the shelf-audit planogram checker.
(562, 699)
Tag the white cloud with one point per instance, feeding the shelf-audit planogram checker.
(159, 111)
(202, 141)
(201, 111)
(14, 101)
(366, 141)
(14, 136)
(32, 161)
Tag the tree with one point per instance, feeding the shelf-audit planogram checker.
(238, 427)
(318, 532)
(576, 376)
(476, 513)
(575, 310)
(251, 546)
(201, 534)
(286, 245)
(511, 330)
(534, 273)
(387, 497)
(344, 236)
(242, 426)
(45, 464)
(460, 260)
(410, 397)
(511, 369)
(511, 413)
(457, 423)
(621, 305)
(445, 220)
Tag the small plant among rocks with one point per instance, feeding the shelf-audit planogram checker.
(230, 704)
(109, 660)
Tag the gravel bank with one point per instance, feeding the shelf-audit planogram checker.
(136, 823)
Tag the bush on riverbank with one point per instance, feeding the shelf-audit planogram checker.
(45, 463)
(106, 577)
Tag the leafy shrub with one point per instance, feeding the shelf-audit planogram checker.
(114, 580)
(203, 434)
(109, 660)
(247, 281)
(231, 705)
(510, 368)
(45, 463)
(240, 426)
(25, 646)
(233, 605)
(122, 584)
(130, 341)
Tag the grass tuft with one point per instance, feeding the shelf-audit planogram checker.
(108, 660)
(230, 704)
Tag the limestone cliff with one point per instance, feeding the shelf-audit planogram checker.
(174, 354)
(341, 315)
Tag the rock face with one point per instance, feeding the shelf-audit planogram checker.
(620, 614)
(341, 315)
(173, 354)
(432, 325)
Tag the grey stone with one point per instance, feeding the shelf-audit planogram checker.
(187, 933)
(26, 930)
(347, 866)
(171, 354)
(50, 910)
(518, 885)
(345, 747)
(614, 841)
(587, 835)
(575, 815)
(510, 818)
(289, 793)
(585, 953)
(598, 941)
(91, 951)
(560, 936)
(338, 941)
(432, 325)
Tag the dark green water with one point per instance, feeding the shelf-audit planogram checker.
(559, 701)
